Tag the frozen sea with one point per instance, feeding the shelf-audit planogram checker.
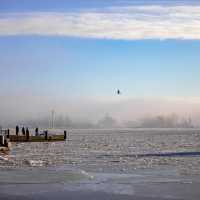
(105, 164)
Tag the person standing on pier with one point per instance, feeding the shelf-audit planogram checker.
(27, 134)
(17, 130)
(23, 131)
(36, 131)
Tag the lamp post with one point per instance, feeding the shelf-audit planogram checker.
(52, 118)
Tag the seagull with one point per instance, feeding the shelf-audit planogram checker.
(118, 92)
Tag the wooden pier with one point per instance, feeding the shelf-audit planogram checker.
(6, 138)
(50, 138)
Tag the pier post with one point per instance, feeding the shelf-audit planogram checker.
(46, 135)
(6, 143)
(8, 133)
(2, 140)
(65, 135)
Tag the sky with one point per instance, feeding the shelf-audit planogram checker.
(72, 56)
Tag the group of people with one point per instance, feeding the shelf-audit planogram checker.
(25, 131)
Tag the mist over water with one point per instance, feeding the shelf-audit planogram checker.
(98, 112)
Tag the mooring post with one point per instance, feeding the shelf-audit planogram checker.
(8, 133)
(5, 143)
(65, 135)
(46, 135)
(2, 140)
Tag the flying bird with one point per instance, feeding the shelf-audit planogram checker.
(118, 92)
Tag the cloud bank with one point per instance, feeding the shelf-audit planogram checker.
(126, 23)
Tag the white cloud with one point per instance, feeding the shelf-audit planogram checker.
(129, 23)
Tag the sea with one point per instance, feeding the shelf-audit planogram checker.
(156, 163)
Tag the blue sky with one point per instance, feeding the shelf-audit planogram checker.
(98, 67)
(24, 5)
(75, 49)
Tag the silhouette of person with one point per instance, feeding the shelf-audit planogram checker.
(36, 131)
(27, 134)
(17, 130)
(23, 131)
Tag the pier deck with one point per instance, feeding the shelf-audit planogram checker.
(50, 138)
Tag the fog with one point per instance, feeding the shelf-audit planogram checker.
(99, 112)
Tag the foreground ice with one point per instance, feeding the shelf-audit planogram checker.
(102, 164)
